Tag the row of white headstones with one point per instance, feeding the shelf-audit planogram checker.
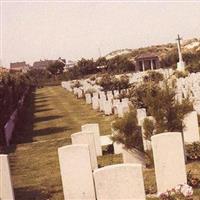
(82, 179)
(108, 103)
(189, 87)
(190, 133)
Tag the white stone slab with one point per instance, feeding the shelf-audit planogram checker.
(169, 160)
(118, 148)
(119, 182)
(94, 128)
(6, 189)
(191, 128)
(95, 103)
(76, 172)
(133, 156)
(141, 114)
(107, 107)
(105, 140)
(88, 98)
(89, 139)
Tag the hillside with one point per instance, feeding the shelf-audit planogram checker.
(191, 45)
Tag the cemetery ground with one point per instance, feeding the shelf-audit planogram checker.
(50, 116)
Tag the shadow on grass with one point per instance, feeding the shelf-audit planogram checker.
(41, 101)
(46, 118)
(50, 130)
(43, 110)
(31, 194)
(41, 97)
(24, 128)
(41, 106)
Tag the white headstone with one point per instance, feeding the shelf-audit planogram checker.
(80, 93)
(191, 128)
(105, 140)
(101, 104)
(119, 182)
(6, 189)
(94, 128)
(95, 103)
(169, 160)
(89, 139)
(141, 114)
(133, 156)
(88, 98)
(116, 93)
(107, 107)
(76, 172)
(118, 148)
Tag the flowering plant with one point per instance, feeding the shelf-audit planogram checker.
(180, 192)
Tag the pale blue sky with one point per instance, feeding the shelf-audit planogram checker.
(46, 30)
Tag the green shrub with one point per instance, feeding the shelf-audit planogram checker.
(109, 82)
(92, 78)
(153, 76)
(193, 67)
(193, 151)
(192, 180)
(180, 74)
(148, 127)
(162, 105)
(128, 132)
(149, 159)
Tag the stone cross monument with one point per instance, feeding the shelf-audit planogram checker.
(181, 63)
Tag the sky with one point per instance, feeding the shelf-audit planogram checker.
(33, 30)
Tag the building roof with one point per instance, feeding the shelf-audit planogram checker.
(17, 65)
(146, 56)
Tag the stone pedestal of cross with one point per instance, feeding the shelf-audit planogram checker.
(181, 63)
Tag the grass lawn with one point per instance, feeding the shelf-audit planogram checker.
(50, 117)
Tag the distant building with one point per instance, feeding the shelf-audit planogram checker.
(70, 64)
(148, 61)
(42, 64)
(19, 67)
(3, 69)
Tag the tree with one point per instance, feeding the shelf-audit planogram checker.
(86, 66)
(56, 68)
(39, 77)
(120, 64)
(12, 87)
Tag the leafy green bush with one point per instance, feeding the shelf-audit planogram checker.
(153, 76)
(12, 87)
(128, 132)
(193, 151)
(192, 180)
(109, 82)
(180, 74)
(149, 161)
(194, 67)
(92, 78)
(148, 127)
(162, 105)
